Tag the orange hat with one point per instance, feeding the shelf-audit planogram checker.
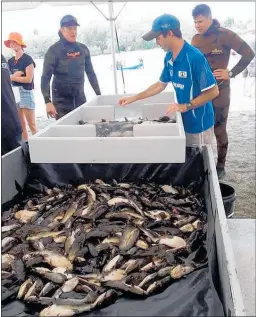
(16, 37)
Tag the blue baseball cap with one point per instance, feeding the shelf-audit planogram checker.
(165, 22)
(68, 20)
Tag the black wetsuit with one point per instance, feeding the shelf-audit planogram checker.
(67, 62)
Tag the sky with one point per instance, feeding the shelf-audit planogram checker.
(45, 19)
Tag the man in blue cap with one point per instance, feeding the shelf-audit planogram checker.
(67, 60)
(188, 70)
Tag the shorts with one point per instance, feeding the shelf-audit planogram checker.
(27, 99)
(199, 139)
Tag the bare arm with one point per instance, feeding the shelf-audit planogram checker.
(197, 102)
(204, 97)
(151, 91)
(26, 79)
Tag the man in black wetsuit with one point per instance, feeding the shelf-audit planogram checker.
(67, 60)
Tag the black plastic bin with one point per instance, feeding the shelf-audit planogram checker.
(228, 196)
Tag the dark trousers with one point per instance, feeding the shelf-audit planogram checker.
(221, 109)
(65, 104)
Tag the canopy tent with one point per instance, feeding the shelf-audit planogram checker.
(15, 6)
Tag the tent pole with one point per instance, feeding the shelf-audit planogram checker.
(113, 49)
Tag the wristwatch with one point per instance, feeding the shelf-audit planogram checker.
(230, 74)
(189, 105)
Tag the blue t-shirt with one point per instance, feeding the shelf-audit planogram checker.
(190, 75)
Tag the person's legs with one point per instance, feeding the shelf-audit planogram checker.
(192, 139)
(62, 104)
(221, 109)
(199, 139)
(220, 130)
(31, 119)
(207, 136)
(66, 99)
(61, 111)
(80, 99)
(23, 124)
(27, 106)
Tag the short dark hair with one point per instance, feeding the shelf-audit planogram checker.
(202, 9)
(176, 32)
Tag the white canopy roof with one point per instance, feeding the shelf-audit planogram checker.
(15, 6)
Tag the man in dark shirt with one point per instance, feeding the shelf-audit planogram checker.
(216, 42)
(11, 128)
(67, 60)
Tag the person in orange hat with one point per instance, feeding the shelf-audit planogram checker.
(22, 76)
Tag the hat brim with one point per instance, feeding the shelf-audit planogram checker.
(8, 42)
(151, 35)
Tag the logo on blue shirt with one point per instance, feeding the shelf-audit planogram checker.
(182, 74)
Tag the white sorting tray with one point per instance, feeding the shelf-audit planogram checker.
(68, 142)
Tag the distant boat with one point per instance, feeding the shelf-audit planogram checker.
(140, 65)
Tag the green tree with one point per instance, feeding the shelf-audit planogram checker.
(95, 38)
(229, 22)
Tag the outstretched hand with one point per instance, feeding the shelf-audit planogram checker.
(126, 101)
(175, 107)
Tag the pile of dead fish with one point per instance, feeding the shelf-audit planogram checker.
(123, 128)
(72, 250)
(163, 119)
